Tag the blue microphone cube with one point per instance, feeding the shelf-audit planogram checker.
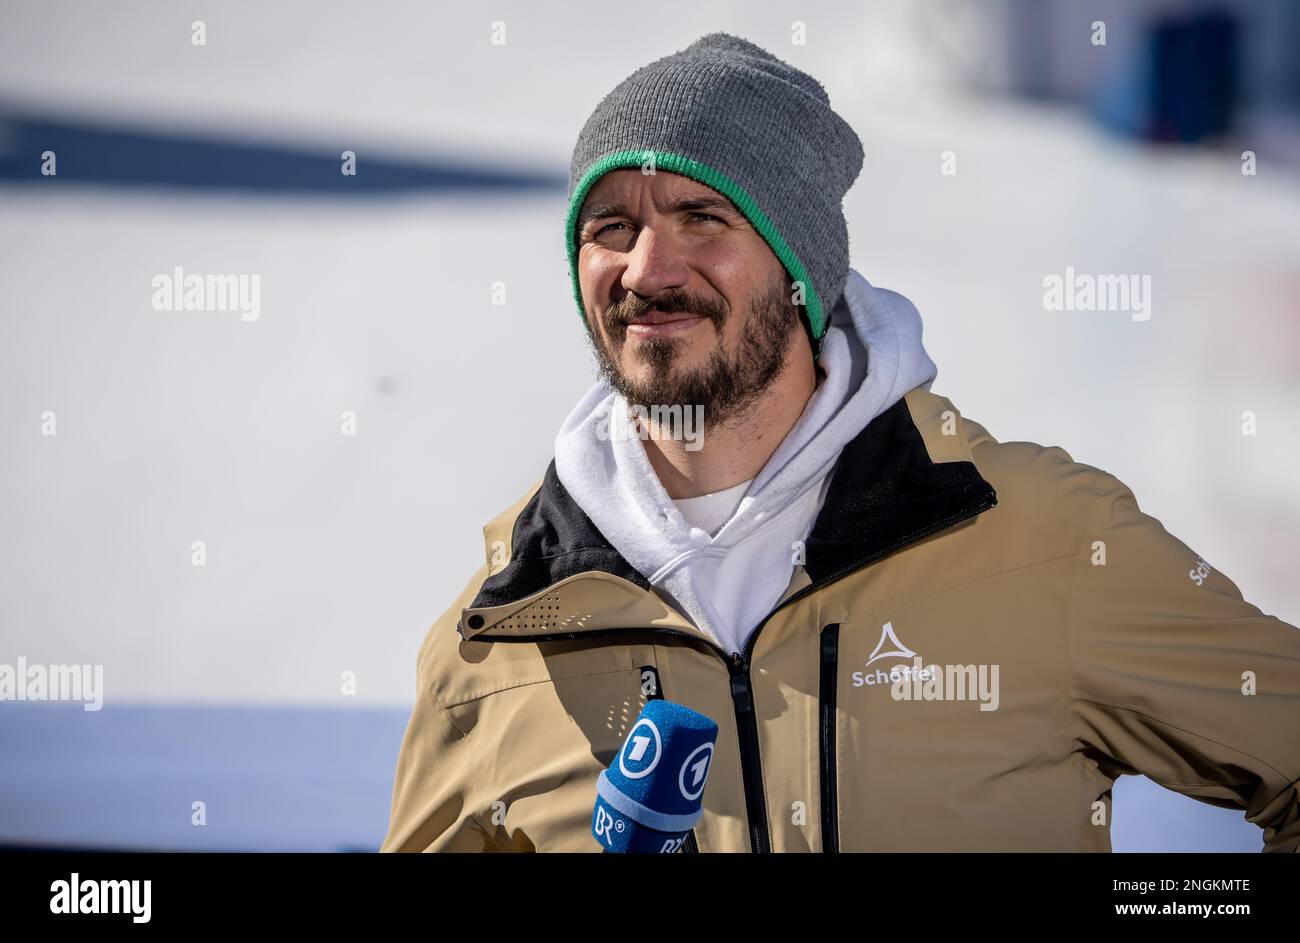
(652, 794)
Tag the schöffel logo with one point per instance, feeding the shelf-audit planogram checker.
(921, 682)
(888, 647)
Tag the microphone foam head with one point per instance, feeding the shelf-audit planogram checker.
(652, 794)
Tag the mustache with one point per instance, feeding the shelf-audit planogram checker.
(631, 306)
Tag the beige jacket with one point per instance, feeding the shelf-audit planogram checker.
(1074, 638)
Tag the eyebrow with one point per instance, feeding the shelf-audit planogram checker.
(684, 205)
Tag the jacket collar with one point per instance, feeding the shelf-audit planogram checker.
(885, 491)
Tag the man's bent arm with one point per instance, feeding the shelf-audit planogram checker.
(1177, 677)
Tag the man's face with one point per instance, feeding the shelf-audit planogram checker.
(687, 303)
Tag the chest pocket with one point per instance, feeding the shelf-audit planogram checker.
(597, 685)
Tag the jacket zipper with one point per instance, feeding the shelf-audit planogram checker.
(751, 767)
(828, 741)
(738, 666)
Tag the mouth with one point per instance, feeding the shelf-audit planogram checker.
(660, 323)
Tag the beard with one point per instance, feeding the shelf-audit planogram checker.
(727, 385)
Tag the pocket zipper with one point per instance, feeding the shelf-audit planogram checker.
(828, 739)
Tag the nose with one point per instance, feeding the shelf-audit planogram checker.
(654, 263)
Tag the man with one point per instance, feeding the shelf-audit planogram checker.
(911, 635)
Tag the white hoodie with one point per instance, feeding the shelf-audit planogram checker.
(727, 582)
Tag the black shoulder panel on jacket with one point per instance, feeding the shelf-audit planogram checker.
(886, 489)
(553, 539)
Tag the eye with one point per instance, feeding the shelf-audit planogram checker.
(603, 229)
(705, 216)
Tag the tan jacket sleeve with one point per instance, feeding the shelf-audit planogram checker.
(1177, 677)
(430, 808)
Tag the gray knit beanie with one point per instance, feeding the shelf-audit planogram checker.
(734, 117)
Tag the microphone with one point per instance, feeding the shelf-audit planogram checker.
(652, 794)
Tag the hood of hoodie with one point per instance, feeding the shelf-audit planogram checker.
(610, 476)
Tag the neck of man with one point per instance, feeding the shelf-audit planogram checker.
(735, 451)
